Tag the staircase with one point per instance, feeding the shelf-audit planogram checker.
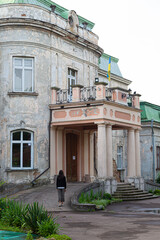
(128, 192)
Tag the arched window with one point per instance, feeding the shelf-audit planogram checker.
(22, 150)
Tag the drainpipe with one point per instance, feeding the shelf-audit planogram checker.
(49, 125)
(153, 150)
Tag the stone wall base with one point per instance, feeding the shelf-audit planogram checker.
(138, 182)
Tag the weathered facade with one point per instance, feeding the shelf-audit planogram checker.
(150, 140)
(56, 110)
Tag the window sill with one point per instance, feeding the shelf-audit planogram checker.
(22, 94)
(18, 170)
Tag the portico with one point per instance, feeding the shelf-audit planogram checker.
(81, 136)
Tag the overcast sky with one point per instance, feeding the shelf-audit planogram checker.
(130, 31)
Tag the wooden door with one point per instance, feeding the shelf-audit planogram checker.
(71, 157)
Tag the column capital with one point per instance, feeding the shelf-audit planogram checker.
(104, 123)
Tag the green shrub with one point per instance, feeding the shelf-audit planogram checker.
(150, 191)
(158, 178)
(59, 237)
(33, 215)
(82, 198)
(107, 196)
(102, 202)
(91, 195)
(13, 213)
(2, 205)
(157, 192)
(48, 227)
(29, 236)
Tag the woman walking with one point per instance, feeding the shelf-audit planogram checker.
(61, 187)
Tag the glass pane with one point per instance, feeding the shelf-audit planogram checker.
(26, 136)
(17, 136)
(28, 62)
(68, 71)
(27, 155)
(28, 80)
(68, 83)
(73, 73)
(18, 62)
(18, 80)
(73, 81)
(16, 153)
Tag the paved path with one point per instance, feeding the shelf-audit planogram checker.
(47, 195)
(122, 221)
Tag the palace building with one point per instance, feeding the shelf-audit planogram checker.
(58, 109)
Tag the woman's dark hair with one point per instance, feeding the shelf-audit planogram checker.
(61, 174)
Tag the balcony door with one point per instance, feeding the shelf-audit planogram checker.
(71, 156)
(72, 80)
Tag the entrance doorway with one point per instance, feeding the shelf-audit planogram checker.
(71, 156)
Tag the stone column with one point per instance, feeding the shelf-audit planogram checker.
(59, 149)
(86, 152)
(52, 153)
(109, 151)
(92, 156)
(102, 157)
(137, 154)
(131, 153)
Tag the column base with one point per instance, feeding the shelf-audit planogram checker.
(138, 182)
(110, 185)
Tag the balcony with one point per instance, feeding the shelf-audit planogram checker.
(100, 91)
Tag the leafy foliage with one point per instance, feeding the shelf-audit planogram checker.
(157, 192)
(48, 227)
(33, 215)
(29, 236)
(59, 237)
(158, 178)
(12, 213)
(100, 199)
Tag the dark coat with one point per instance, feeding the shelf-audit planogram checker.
(61, 182)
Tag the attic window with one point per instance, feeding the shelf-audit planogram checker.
(70, 21)
(85, 25)
(53, 7)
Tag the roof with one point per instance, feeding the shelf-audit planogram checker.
(149, 111)
(63, 12)
(104, 61)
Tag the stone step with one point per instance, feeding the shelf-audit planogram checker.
(139, 198)
(134, 196)
(131, 194)
(129, 191)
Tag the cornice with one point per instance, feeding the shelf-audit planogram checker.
(43, 46)
(10, 22)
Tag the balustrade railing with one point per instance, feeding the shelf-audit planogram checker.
(88, 93)
(63, 96)
(93, 93)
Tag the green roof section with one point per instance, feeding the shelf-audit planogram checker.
(104, 61)
(149, 111)
(63, 12)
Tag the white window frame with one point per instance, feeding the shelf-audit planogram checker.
(21, 142)
(120, 154)
(70, 77)
(23, 68)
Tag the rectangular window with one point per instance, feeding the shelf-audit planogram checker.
(72, 79)
(23, 74)
(158, 156)
(119, 157)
